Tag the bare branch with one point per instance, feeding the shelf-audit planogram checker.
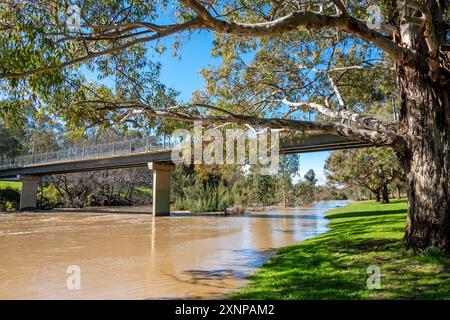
(340, 6)
(337, 91)
(374, 137)
(202, 105)
(360, 68)
(364, 121)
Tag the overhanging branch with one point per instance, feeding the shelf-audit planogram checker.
(164, 32)
(307, 20)
(364, 121)
(336, 128)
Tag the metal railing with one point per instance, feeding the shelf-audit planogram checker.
(92, 151)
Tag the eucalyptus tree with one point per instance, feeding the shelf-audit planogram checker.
(310, 177)
(289, 168)
(372, 168)
(279, 57)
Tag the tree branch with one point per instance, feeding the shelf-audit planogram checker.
(364, 121)
(426, 20)
(371, 136)
(205, 20)
(337, 91)
(307, 20)
(340, 5)
(359, 68)
(193, 24)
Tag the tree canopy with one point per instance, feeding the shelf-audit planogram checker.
(278, 58)
(372, 168)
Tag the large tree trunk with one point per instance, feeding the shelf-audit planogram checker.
(425, 124)
(425, 119)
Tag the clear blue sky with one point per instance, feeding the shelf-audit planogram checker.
(183, 75)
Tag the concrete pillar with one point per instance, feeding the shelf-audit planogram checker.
(161, 187)
(28, 195)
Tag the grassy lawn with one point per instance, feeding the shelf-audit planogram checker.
(334, 265)
(10, 184)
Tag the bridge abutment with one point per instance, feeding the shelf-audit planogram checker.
(28, 195)
(161, 187)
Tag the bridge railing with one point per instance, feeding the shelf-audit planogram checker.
(93, 151)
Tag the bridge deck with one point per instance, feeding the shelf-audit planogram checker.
(140, 156)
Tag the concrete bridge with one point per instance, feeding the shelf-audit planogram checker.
(145, 152)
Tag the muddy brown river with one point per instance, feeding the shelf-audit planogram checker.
(121, 253)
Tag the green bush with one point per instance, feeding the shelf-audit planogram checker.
(9, 199)
(48, 197)
(180, 204)
(241, 193)
(207, 198)
(10, 206)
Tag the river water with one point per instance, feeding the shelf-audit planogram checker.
(120, 253)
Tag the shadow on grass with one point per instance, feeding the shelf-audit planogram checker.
(303, 274)
(363, 214)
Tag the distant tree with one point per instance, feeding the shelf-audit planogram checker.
(289, 164)
(30, 137)
(289, 167)
(40, 140)
(100, 188)
(310, 177)
(327, 193)
(304, 193)
(9, 142)
(371, 168)
(265, 189)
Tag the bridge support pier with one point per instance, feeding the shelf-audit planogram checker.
(161, 187)
(28, 195)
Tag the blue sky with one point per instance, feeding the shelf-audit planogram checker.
(183, 75)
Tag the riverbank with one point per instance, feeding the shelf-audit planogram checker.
(334, 265)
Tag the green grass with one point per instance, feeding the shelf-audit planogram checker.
(334, 265)
(10, 184)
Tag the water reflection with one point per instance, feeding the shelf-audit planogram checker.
(138, 256)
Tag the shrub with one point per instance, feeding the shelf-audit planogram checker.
(208, 198)
(49, 198)
(180, 204)
(9, 199)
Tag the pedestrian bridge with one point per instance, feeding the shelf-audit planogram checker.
(140, 152)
